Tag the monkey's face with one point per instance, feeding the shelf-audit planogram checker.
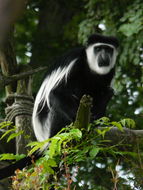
(101, 57)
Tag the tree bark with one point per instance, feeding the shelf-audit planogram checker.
(84, 111)
(127, 136)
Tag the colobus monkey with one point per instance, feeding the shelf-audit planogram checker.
(86, 70)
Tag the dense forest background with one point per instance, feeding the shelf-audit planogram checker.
(44, 30)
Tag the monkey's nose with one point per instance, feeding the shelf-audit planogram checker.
(103, 60)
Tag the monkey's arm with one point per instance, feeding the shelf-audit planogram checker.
(100, 103)
(63, 110)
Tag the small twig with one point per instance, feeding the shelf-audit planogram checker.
(115, 176)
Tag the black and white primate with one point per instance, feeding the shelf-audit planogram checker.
(86, 70)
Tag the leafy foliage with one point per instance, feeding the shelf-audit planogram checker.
(11, 130)
(67, 150)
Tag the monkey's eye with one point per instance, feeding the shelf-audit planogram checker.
(97, 49)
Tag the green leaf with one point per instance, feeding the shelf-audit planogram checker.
(129, 123)
(53, 146)
(94, 151)
(13, 135)
(104, 131)
(37, 145)
(11, 157)
(7, 132)
(49, 170)
(52, 163)
(102, 120)
(5, 124)
(118, 125)
(131, 28)
(32, 144)
(41, 144)
(76, 134)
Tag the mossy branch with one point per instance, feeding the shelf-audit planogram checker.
(84, 112)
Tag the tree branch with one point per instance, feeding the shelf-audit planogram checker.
(6, 80)
(127, 136)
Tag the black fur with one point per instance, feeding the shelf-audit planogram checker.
(102, 39)
(65, 98)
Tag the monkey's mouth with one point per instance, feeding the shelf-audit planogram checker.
(103, 61)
